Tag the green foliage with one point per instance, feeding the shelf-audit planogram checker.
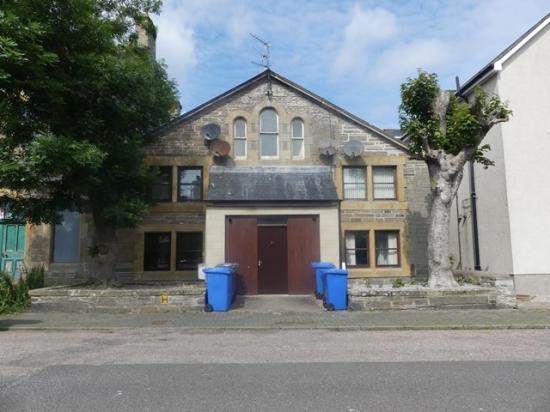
(397, 283)
(35, 277)
(79, 101)
(14, 297)
(464, 124)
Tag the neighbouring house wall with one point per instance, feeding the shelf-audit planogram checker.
(525, 83)
(492, 209)
(215, 228)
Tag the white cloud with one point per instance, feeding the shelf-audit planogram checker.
(403, 59)
(175, 41)
(366, 28)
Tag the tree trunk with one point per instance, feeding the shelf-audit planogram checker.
(105, 253)
(439, 265)
(445, 186)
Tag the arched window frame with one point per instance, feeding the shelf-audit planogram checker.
(263, 133)
(295, 140)
(240, 138)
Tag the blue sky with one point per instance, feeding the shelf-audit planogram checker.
(353, 53)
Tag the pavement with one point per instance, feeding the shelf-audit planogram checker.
(286, 312)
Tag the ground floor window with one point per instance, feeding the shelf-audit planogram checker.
(357, 248)
(387, 247)
(157, 251)
(188, 250)
(66, 239)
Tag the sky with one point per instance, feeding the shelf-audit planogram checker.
(355, 54)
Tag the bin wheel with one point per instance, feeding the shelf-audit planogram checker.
(329, 307)
(318, 295)
(325, 304)
(208, 307)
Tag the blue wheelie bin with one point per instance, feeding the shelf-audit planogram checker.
(319, 267)
(220, 288)
(336, 289)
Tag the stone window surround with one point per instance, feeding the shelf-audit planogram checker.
(297, 138)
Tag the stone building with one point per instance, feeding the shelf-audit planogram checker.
(285, 194)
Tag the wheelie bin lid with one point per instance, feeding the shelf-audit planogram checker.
(336, 271)
(221, 270)
(322, 265)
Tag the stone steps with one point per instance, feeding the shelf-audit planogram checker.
(126, 299)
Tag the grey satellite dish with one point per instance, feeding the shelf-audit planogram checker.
(220, 148)
(353, 148)
(327, 148)
(211, 131)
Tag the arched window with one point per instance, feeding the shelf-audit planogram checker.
(239, 144)
(269, 134)
(297, 138)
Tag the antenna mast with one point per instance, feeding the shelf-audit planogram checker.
(265, 55)
(265, 62)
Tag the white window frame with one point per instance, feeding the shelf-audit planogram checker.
(271, 133)
(293, 138)
(245, 138)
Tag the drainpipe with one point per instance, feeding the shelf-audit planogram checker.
(473, 196)
(473, 201)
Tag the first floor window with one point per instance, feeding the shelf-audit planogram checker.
(190, 183)
(162, 189)
(240, 139)
(357, 248)
(355, 183)
(188, 250)
(383, 182)
(387, 247)
(156, 255)
(297, 139)
(66, 239)
(269, 134)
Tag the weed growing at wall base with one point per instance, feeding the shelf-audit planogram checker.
(14, 297)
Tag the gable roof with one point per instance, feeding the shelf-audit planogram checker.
(271, 75)
(495, 65)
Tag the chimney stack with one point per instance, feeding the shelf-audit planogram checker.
(146, 34)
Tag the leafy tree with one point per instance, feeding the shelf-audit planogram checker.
(79, 100)
(446, 131)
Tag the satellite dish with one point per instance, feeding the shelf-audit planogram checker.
(353, 148)
(327, 147)
(211, 131)
(220, 148)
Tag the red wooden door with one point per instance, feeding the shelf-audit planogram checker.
(303, 248)
(241, 246)
(272, 259)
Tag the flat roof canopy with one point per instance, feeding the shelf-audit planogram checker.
(271, 183)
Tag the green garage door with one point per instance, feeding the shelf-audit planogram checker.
(12, 248)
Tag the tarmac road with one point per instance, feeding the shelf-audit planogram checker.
(172, 369)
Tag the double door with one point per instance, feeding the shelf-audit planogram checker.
(273, 252)
(12, 248)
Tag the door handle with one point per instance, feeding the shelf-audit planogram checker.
(259, 263)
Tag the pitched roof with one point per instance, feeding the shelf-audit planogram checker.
(271, 75)
(271, 183)
(495, 65)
